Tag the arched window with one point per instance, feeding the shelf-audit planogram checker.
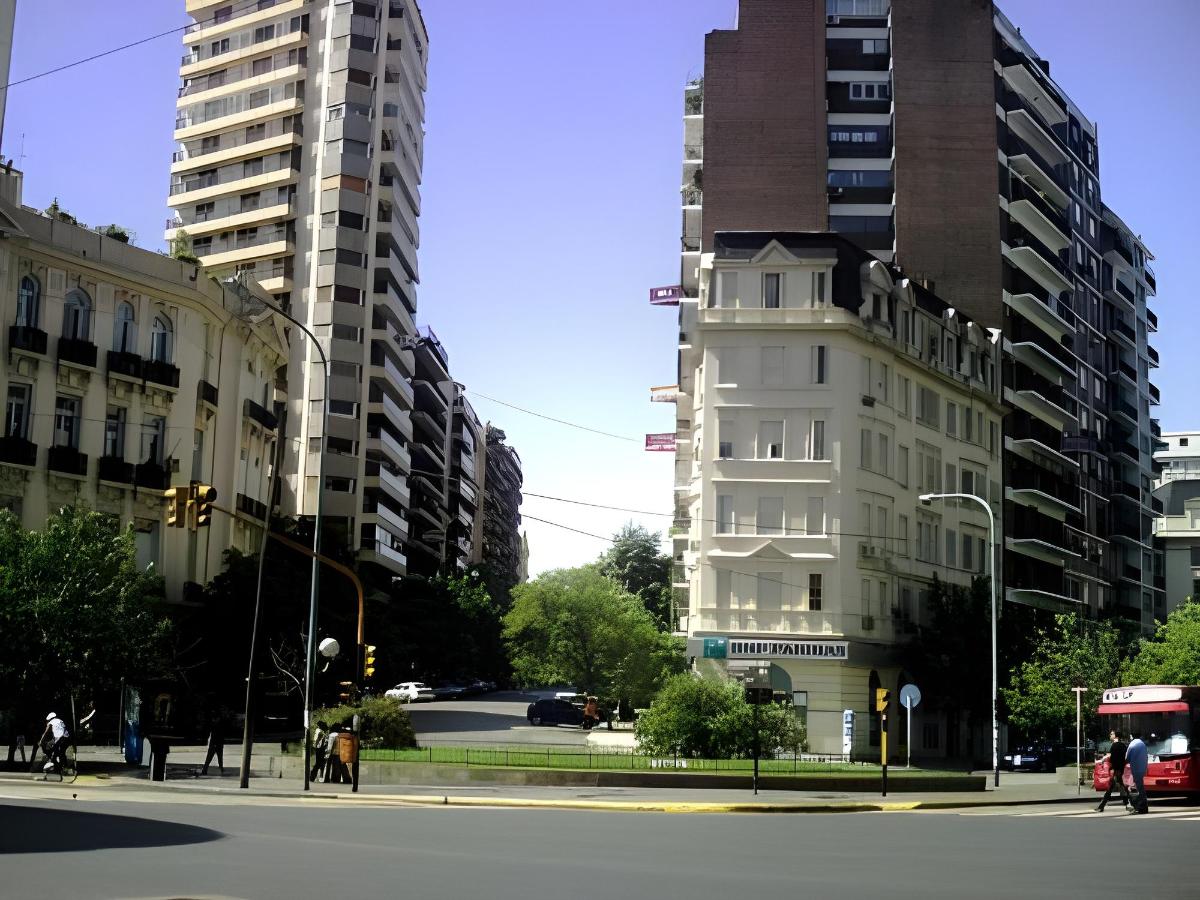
(161, 344)
(28, 302)
(125, 331)
(77, 315)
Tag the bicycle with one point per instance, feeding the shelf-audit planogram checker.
(67, 770)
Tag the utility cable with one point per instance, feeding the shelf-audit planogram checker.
(530, 412)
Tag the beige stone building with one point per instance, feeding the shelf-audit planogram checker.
(126, 371)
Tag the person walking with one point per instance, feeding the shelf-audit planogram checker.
(216, 743)
(59, 737)
(1137, 757)
(319, 747)
(1116, 768)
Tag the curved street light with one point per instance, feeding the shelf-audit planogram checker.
(928, 498)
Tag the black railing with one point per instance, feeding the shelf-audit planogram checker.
(1014, 146)
(258, 413)
(74, 350)
(160, 373)
(18, 451)
(67, 460)
(127, 364)
(1123, 328)
(152, 475)
(1153, 354)
(254, 508)
(1155, 393)
(1151, 320)
(115, 469)
(1019, 190)
(23, 337)
(206, 392)
(1018, 236)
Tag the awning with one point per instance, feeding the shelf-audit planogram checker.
(1112, 709)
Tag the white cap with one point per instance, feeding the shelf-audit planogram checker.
(50, 716)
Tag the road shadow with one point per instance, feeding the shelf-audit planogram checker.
(451, 720)
(35, 829)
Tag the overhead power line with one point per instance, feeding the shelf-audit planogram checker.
(530, 412)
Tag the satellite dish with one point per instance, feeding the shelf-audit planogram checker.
(910, 696)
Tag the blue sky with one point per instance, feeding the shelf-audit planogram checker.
(550, 197)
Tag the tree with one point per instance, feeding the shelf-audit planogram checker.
(1071, 652)
(1172, 656)
(579, 627)
(637, 564)
(709, 718)
(76, 613)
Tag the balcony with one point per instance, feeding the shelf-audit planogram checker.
(1040, 312)
(77, 352)
(1119, 369)
(255, 509)
(1151, 321)
(114, 469)
(207, 393)
(1031, 90)
(255, 412)
(1036, 215)
(67, 461)
(1152, 355)
(1033, 166)
(1122, 410)
(382, 553)
(17, 451)
(153, 475)
(161, 373)
(1155, 394)
(1035, 260)
(1123, 329)
(1040, 401)
(1150, 279)
(1026, 126)
(125, 365)
(27, 340)
(853, 150)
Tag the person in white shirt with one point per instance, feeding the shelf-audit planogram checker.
(57, 729)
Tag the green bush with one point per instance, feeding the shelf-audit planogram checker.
(710, 719)
(384, 722)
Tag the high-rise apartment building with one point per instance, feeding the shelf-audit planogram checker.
(497, 536)
(1177, 527)
(932, 135)
(300, 131)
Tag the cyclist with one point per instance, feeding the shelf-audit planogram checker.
(57, 729)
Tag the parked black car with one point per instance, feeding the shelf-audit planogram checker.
(554, 712)
(1031, 758)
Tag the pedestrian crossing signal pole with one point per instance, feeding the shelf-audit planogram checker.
(882, 698)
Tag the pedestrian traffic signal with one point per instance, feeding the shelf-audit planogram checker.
(882, 698)
(203, 496)
(368, 661)
(177, 503)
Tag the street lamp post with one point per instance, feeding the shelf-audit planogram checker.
(927, 498)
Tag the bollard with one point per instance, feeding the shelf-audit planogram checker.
(158, 759)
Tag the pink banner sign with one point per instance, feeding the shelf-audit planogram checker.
(663, 442)
(666, 296)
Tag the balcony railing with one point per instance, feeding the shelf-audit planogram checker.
(1155, 393)
(1014, 146)
(256, 509)
(206, 393)
(160, 373)
(1019, 190)
(114, 469)
(233, 139)
(255, 412)
(1151, 321)
(243, 72)
(127, 364)
(156, 476)
(18, 451)
(31, 340)
(1120, 326)
(73, 350)
(67, 460)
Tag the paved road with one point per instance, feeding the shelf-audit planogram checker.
(497, 718)
(105, 844)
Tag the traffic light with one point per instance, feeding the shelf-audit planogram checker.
(882, 698)
(177, 499)
(203, 496)
(347, 692)
(368, 661)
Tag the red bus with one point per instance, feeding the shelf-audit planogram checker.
(1168, 716)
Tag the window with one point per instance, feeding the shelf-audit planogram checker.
(866, 598)
(865, 449)
(902, 535)
(818, 288)
(154, 433)
(264, 33)
(815, 521)
(819, 366)
(770, 440)
(343, 408)
(903, 393)
(875, 45)
(729, 290)
(927, 410)
(725, 523)
(968, 481)
(16, 412)
(870, 90)
(261, 66)
(725, 430)
(161, 340)
(770, 591)
(66, 422)
(252, 167)
(883, 463)
(340, 484)
(77, 315)
(816, 444)
(902, 465)
(114, 432)
(125, 331)
(28, 302)
(814, 592)
(952, 418)
(951, 545)
(772, 290)
(724, 592)
(772, 366)
(770, 515)
(881, 525)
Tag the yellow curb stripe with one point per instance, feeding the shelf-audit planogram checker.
(641, 806)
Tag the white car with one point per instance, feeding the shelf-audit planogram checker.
(411, 692)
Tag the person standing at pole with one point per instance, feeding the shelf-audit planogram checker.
(1116, 766)
(216, 743)
(1136, 757)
